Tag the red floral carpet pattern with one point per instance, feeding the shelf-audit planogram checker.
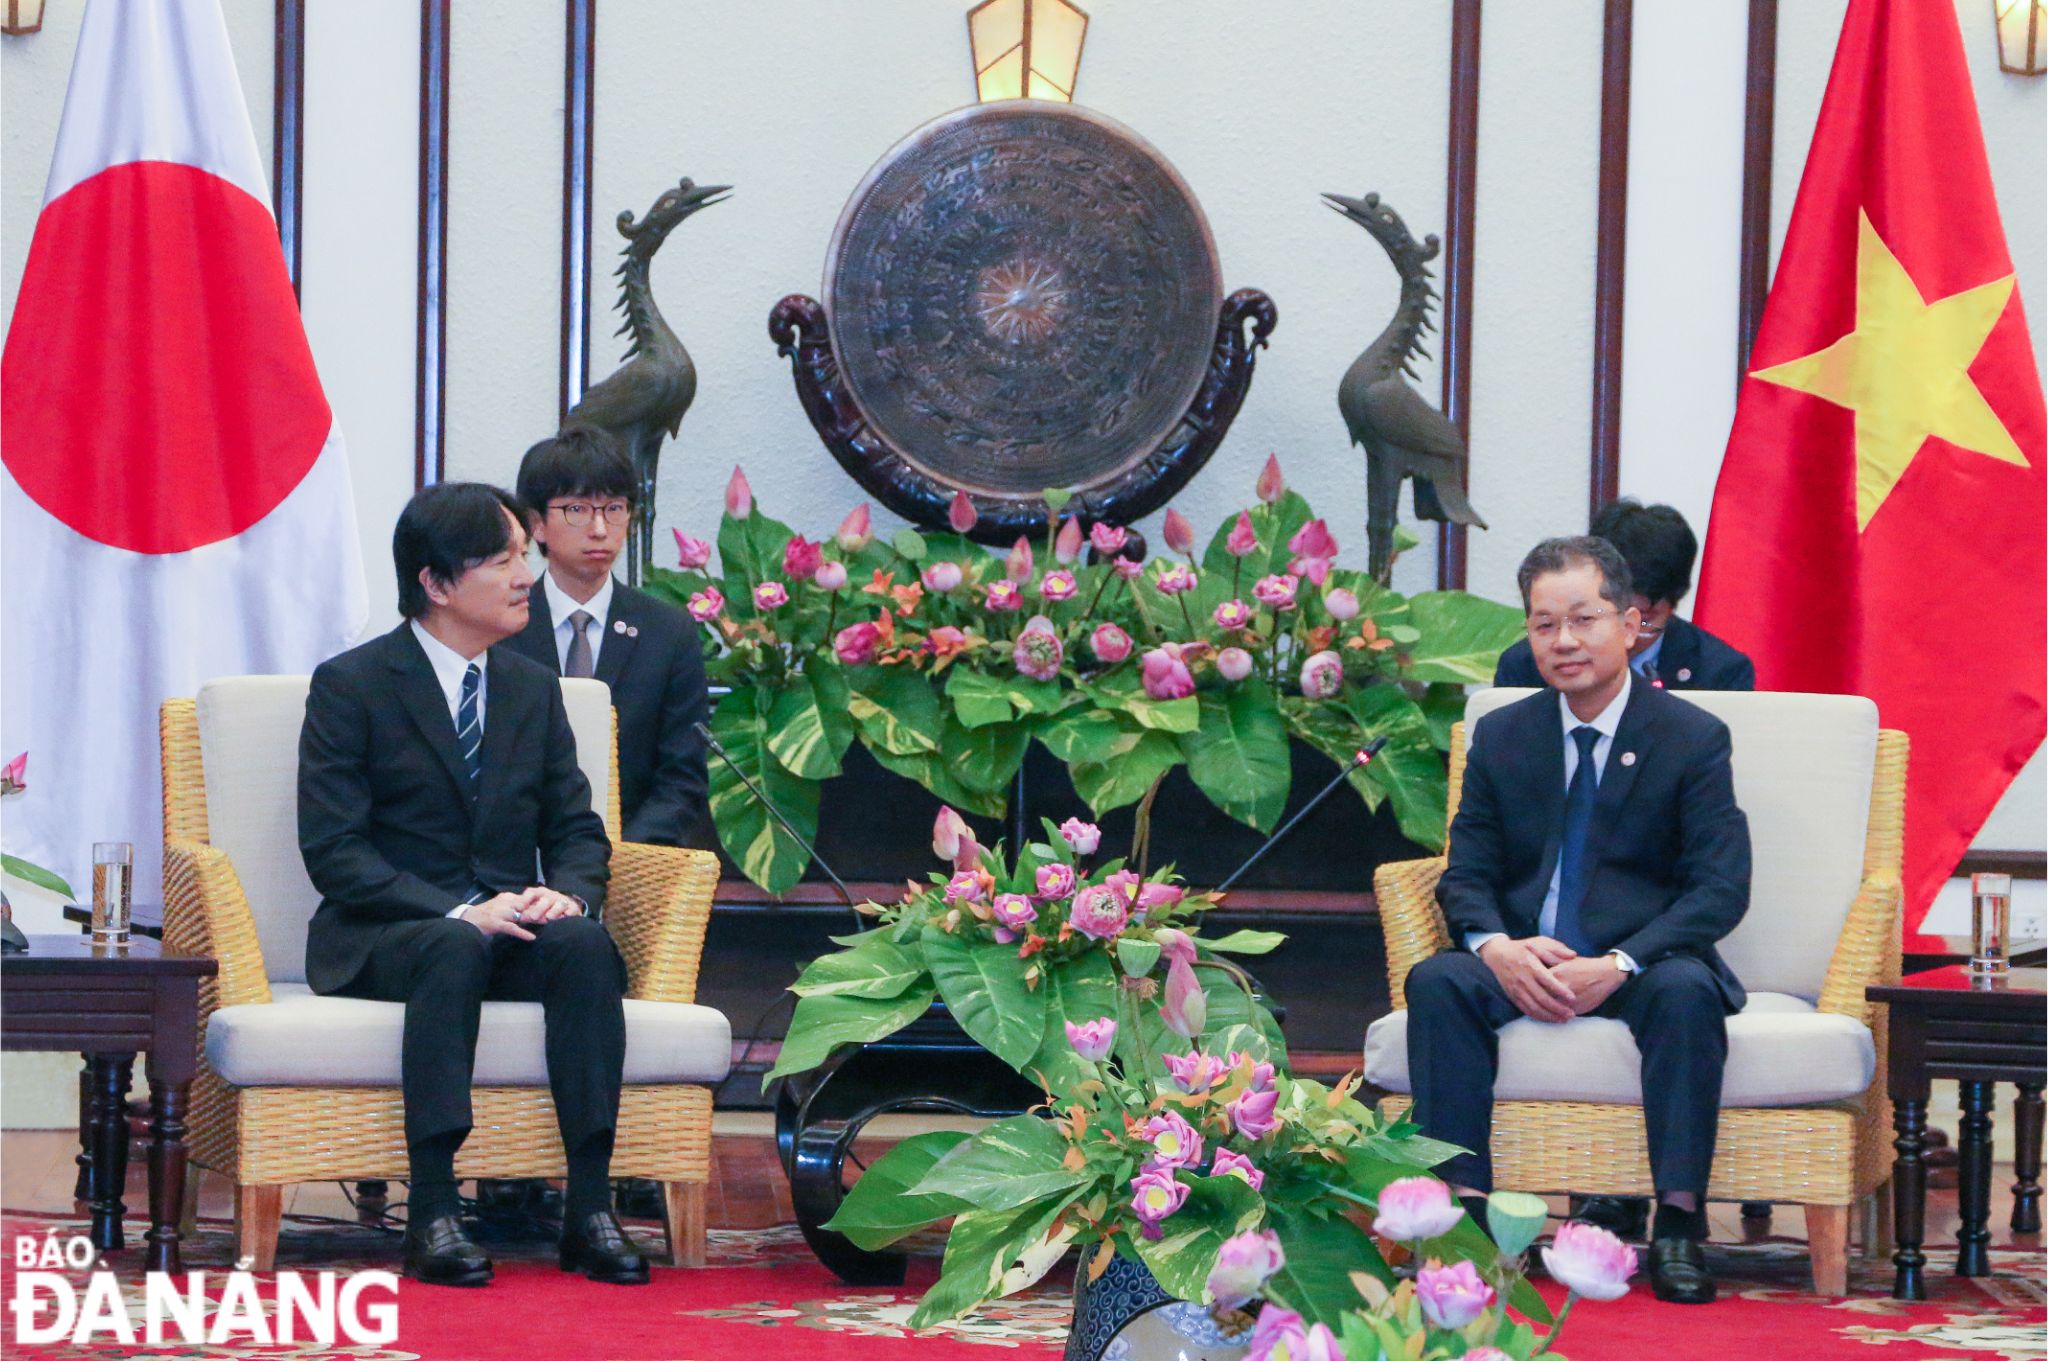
(762, 1296)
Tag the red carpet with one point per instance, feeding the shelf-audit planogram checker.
(763, 1297)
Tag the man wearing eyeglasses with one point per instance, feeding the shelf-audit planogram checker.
(1597, 857)
(1670, 651)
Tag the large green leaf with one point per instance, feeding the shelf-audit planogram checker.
(822, 1024)
(1238, 754)
(880, 1208)
(1247, 942)
(749, 553)
(36, 874)
(984, 758)
(1125, 778)
(983, 984)
(1090, 736)
(1409, 768)
(1009, 1163)
(930, 770)
(765, 853)
(1443, 704)
(895, 708)
(1079, 989)
(1123, 691)
(1184, 1254)
(981, 1248)
(1463, 636)
(809, 727)
(1275, 525)
(980, 697)
(876, 968)
(1321, 1254)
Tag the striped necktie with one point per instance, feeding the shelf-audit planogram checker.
(469, 726)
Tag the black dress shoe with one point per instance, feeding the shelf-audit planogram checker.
(1678, 1272)
(1626, 1217)
(439, 1252)
(599, 1248)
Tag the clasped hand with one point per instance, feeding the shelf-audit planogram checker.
(504, 914)
(1547, 979)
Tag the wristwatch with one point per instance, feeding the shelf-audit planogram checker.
(1620, 962)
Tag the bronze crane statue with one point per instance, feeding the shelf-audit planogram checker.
(1403, 435)
(643, 401)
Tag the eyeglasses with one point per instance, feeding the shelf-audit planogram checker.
(1543, 629)
(577, 513)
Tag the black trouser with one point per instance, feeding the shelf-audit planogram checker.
(443, 969)
(1674, 1008)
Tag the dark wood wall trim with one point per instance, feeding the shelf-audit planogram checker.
(288, 131)
(1462, 181)
(429, 433)
(1611, 260)
(1759, 113)
(2019, 864)
(578, 102)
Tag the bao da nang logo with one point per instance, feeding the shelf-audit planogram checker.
(197, 1309)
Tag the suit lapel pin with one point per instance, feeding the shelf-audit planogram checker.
(619, 626)
(1685, 673)
(632, 631)
(1628, 758)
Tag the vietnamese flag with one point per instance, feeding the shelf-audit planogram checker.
(1880, 526)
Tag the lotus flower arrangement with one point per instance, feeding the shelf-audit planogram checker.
(946, 661)
(14, 780)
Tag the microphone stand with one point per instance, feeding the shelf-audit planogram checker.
(1359, 761)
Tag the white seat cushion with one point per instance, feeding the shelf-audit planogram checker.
(1781, 1052)
(304, 1040)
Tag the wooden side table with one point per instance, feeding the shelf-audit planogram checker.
(110, 1003)
(1979, 1031)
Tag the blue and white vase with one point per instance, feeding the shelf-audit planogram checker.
(1125, 1316)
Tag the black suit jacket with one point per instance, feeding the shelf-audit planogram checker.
(656, 673)
(1668, 845)
(1691, 659)
(386, 826)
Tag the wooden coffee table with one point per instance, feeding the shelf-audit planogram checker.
(1979, 1031)
(110, 1003)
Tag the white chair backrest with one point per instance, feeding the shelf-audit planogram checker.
(249, 748)
(1803, 771)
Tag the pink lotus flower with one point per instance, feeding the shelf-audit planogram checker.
(770, 595)
(855, 530)
(1252, 1114)
(1055, 881)
(1127, 569)
(1124, 883)
(1014, 910)
(830, 576)
(1175, 579)
(739, 496)
(1175, 944)
(1165, 675)
(1244, 1264)
(1234, 663)
(1590, 1261)
(1107, 539)
(942, 577)
(856, 644)
(1487, 1354)
(14, 778)
(1174, 1141)
(1066, 546)
(1195, 1072)
(1243, 538)
(1003, 597)
(707, 604)
(1415, 1208)
(1230, 1164)
(949, 832)
(1183, 1006)
(1017, 567)
(1314, 552)
(1262, 1072)
(1279, 1335)
(1275, 592)
(1322, 676)
(1271, 486)
(1098, 912)
(1155, 1195)
(1452, 1296)
(1109, 643)
(1233, 614)
(1158, 897)
(1083, 837)
(945, 641)
(691, 553)
(966, 886)
(1092, 1040)
(1038, 652)
(802, 558)
(1342, 604)
(961, 515)
(1321, 1344)
(1058, 586)
(1178, 533)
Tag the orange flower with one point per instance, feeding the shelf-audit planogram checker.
(907, 597)
(1033, 943)
(1319, 638)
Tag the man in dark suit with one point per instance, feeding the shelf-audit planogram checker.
(1669, 652)
(579, 487)
(1597, 857)
(444, 820)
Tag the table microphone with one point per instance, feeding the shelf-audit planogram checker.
(783, 822)
(1359, 761)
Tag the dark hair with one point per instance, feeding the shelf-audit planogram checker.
(1561, 555)
(580, 461)
(446, 529)
(1657, 542)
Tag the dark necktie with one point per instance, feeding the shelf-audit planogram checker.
(1571, 856)
(577, 665)
(469, 726)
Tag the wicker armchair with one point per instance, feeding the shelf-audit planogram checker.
(1823, 1156)
(267, 1137)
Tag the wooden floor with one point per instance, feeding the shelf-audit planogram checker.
(37, 1173)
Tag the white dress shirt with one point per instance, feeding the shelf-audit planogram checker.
(561, 605)
(1606, 722)
(449, 666)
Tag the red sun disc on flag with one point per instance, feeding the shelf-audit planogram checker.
(157, 391)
